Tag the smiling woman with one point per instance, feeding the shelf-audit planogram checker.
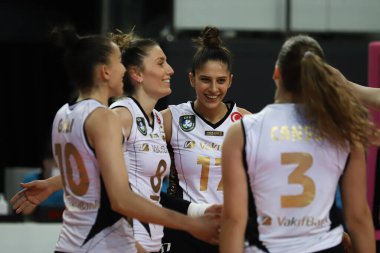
(90, 153)
(195, 131)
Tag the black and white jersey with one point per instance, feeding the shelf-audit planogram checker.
(293, 176)
(89, 224)
(148, 162)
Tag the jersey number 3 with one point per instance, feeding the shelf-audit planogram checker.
(303, 161)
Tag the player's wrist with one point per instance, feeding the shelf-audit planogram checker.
(197, 209)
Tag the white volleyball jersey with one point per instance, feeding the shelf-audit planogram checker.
(197, 145)
(89, 224)
(293, 176)
(148, 162)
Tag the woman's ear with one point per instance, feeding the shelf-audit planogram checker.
(276, 73)
(232, 76)
(191, 79)
(101, 71)
(135, 74)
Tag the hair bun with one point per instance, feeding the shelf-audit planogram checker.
(209, 37)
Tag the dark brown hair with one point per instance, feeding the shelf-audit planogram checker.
(133, 51)
(209, 47)
(330, 106)
(82, 54)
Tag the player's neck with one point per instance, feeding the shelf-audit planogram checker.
(212, 115)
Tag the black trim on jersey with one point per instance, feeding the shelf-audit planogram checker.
(336, 249)
(252, 229)
(142, 110)
(230, 107)
(376, 194)
(171, 202)
(174, 188)
(86, 139)
(347, 160)
(147, 228)
(84, 131)
(106, 217)
(335, 216)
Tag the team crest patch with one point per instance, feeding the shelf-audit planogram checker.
(187, 122)
(141, 126)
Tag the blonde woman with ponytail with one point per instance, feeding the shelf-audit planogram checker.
(288, 160)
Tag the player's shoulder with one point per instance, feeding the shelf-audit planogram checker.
(243, 111)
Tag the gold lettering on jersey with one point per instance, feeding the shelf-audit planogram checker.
(306, 221)
(189, 144)
(65, 126)
(214, 133)
(144, 147)
(294, 133)
(210, 146)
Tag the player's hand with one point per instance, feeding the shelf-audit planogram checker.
(140, 249)
(26, 200)
(207, 228)
(347, 244)
(339, 78)
(214, 209)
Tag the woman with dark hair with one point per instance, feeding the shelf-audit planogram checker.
(195, 131)
(282, 165)
(87, 139)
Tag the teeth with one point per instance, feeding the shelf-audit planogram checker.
(213, 97)
(167, 81)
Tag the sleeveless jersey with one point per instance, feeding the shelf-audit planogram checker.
(89, 224)
(148, 162)
(293, 175)
(197, 145)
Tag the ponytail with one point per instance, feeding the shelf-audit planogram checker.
(329, 106)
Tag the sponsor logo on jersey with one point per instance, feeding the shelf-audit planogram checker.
(187, 122)
(214, 133)
(159, 149)
(235, 116)
(141, 126)
(306, 221)
(82, 205)
(154, 136)
(189, 144)
(265, 220)
(210, 146)
(144, 147)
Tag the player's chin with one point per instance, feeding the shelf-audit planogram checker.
(167, 91)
